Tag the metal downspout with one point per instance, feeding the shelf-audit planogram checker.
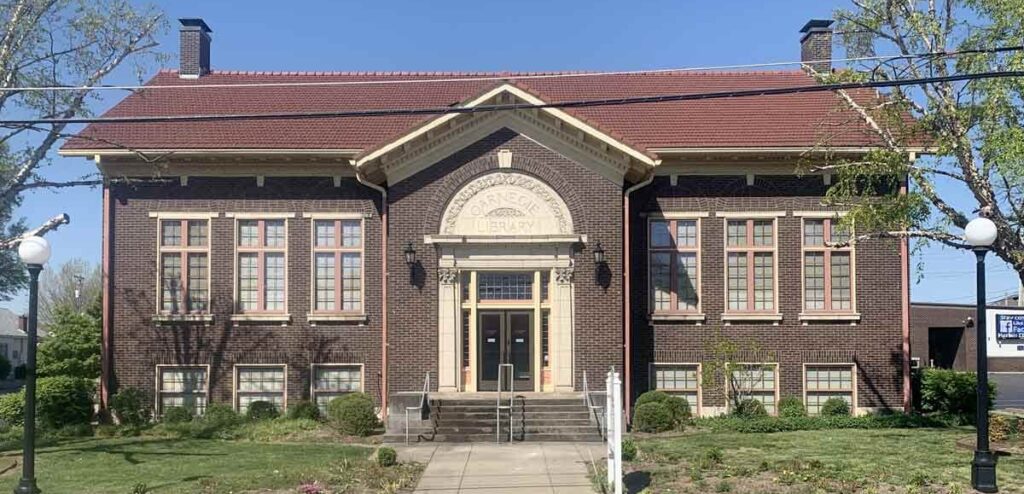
(626, 293)
(383, 290)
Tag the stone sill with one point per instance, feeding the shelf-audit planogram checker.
(257, 318)
(852, 318)
(180, 318)
(775, 319)
(313, 319)
(688, 317)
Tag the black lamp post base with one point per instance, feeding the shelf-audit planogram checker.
(983, 472)
(26, 486)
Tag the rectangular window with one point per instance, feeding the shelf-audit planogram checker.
(674, 265)
(262, 270)
(504, 286)
(260, 383)
(823, 382)
(750, 265)
(679, 380)
(184, 266)
(755, 381)
(338, 265)
(828, 271)
(182, 386)
(332, 381)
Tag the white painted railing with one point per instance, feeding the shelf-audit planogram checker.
(613, 436)
(423, 403)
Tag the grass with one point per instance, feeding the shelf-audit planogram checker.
(842, 461)
(171, 465)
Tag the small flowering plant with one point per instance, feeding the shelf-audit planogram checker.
(314, 487)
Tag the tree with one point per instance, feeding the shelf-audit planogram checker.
(69, 44)
(73, 286)
(726, 361)
(972, 129)
(72, 347)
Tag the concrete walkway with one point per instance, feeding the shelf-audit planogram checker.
(553, 468)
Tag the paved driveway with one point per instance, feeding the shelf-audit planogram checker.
(520, 468)
(1010, 389)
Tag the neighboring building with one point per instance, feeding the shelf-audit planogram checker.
(300, 258)
(13, 339)
(944, 335)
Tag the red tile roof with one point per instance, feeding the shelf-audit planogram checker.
(792, 120)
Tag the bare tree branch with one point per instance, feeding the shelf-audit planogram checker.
(49, 226)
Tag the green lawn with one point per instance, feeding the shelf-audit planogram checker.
(855, 461)
(167, 465)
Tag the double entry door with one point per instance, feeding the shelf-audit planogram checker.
(505, 337)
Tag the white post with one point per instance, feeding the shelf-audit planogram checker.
(608, 433)
(617, 398)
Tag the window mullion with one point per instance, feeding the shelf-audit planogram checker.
(183, 291)
(339, 296)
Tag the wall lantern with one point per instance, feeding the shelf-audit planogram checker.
(598, 254)
(410, 255)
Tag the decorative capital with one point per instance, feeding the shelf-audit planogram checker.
(563, 276)
(447, 276)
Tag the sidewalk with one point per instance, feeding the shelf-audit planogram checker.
(553, 468)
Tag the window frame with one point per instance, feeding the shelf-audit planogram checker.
(236, 382)
(750, 249)
(158, 381)
(184, 252)
(827, 221)
(700, 382)
(777, 380)
(261, 251)
(842, 365)
(675, 250)
(338, 250)
(312, 377)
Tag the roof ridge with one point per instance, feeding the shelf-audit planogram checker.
(509, 74)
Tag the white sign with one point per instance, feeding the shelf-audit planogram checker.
(1000, 340)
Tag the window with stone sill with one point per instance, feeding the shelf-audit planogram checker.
(261, 249)
(674, 265)
(331, 381)
(823, 382)
(184, 256)
(182, 386)
(750, 266)
(681, 380)
(260, 383)
(338, 266)
(755, 381)
(828, 271)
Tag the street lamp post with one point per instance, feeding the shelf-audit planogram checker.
(981, 234)
(34, 252)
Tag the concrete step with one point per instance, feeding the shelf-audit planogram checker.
(528, 408)
(487, 438)
(516, 422)
(456, 414)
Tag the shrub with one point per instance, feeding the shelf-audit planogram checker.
(629, 450)
(129, 406)
(19, 371)
(221, 417)
(5, 367)
(677, 406)
(12, 409)
(788, 424)
(261, 410)
(947, 391)
(1002, 427)
(353, 414)
(652, 396)
(177, 415)
(387, 457)
(653, 417)
(63, 400)
(304, 410)
(750, 407)
(791, 406)
(835, 407)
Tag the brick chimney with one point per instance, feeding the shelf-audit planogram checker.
(816, 44)
(23, 323)
(195, 48)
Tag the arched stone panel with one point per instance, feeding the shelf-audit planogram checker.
(506, 203)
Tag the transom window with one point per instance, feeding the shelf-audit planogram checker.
(750, 265)
(262, 271)
(260, 383)
(823, 382)
(675, 265)
(504, 286)
(828, 271)
(182, 386)
(682, 380)
(755, 381)
(332, 381)
(184, 266)
(338, 265)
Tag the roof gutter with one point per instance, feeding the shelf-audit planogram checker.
(627, 316)
(384, 291)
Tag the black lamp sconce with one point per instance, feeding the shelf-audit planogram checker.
(598, 254)
(410, 255)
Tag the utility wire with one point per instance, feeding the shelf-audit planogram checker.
(586, 103)
(527, 76)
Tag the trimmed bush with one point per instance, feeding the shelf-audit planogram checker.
(835, 407)
(652, 396)
(221, 417)
(12, 409)
(63, 400)
(177, 415)
(387, 457)
(951, 392)
(653, 417)
(789, 424)
(129, 406)
(629, 450)
(304, 410)
(678, 406)
(750, 407)
(261, 410)
(353, 414)
(791, 406)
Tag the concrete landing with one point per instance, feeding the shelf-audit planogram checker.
(517, 468)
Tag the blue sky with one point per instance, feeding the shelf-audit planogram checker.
(474, 35)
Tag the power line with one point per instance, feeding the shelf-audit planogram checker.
(589, 103)
(527, 76)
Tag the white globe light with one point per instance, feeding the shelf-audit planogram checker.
(34, 250)
(980, 232)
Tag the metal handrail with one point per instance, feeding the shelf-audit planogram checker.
(498, 406)
(423, 403)
(588, 402)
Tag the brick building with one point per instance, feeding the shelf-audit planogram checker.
(294, 258)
